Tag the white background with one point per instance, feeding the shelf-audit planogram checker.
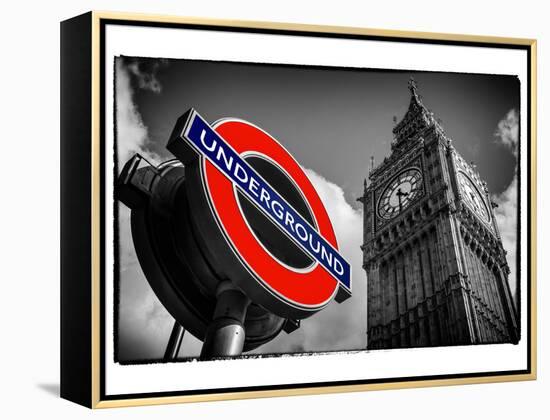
(29, 228)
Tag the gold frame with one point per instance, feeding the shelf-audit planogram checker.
(531, 44)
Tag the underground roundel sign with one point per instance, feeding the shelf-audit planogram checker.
(257, 217)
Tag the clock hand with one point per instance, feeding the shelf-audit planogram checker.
(400, 194)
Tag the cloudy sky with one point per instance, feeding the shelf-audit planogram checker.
(332, 121)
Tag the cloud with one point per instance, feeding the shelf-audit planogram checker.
(132, 135)
(338, 326)
(145, 72)
(144, 325)
(507, 131)
(506, 215)
(507, 134)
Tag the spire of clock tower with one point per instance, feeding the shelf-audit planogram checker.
(414, 122)
(413, 87)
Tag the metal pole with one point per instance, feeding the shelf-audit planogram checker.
(174, 343)
(225, 334)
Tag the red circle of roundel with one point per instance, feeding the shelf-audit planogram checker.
(310, 289)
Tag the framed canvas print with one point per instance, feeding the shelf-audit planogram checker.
(258, 209)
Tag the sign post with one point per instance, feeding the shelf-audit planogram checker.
(225, 335)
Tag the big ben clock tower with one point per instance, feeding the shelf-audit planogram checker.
(436, 268)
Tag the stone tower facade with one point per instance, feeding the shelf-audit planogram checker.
(436, 268)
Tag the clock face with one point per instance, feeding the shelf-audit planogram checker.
(473, 197)
(400, 192)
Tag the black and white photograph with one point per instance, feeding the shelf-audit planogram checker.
(417, 170)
